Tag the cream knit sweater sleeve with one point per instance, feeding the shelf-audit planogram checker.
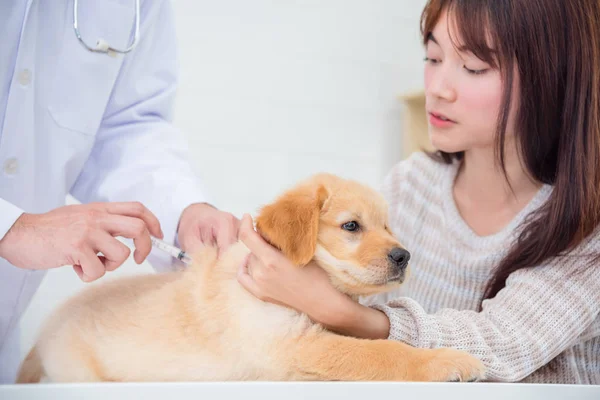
(541, 312)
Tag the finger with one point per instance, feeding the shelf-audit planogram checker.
(143, 247)
(78, 270)
(190, 244)
(247, 282)
(244, 278)
(253, 241)
(91, 266)
(137, 210)
(132, 228)
(207, 235)
(226, 234)
(114, 252)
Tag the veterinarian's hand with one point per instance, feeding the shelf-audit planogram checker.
(75, 234)
(201, 223)
(270, 276)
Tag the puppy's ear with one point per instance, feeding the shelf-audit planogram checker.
(291, 223)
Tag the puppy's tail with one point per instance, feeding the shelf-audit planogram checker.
(31, 370)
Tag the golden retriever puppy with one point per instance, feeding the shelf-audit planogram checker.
(200, 324)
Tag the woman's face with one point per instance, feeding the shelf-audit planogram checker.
(463, 94)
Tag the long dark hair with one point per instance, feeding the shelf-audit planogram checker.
(556, 46)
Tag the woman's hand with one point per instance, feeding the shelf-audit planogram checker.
(271, 277)
(268, 275)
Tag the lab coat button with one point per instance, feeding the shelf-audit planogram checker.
(25, 77)
(11, 166)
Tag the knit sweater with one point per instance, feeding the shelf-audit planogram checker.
(543, 327)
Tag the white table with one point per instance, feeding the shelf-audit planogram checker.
(300, 390)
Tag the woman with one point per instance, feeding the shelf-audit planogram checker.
(502, 221)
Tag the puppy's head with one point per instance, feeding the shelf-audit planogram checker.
(343, 226)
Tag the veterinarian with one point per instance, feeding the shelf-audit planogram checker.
(502, 221)
(97, 125)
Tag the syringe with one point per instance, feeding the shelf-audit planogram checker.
(172, 250)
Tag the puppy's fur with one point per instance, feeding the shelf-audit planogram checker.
(200, 324)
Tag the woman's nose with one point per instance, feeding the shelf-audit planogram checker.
(440, 84)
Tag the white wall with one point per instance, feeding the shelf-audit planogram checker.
(275, 90)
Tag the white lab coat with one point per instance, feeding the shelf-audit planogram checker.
(87, 124)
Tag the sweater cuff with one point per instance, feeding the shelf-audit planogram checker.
(409, 323)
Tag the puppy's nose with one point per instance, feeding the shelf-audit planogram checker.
(399, 257)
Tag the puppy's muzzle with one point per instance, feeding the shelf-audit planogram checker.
(399, 261)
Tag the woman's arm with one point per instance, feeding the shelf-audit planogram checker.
(540, 313)
(350, 318)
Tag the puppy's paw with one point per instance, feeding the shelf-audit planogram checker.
(449, 365)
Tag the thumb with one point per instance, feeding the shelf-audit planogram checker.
(246, 226)
(253, 241)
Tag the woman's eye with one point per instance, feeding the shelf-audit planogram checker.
(476, 71)
(350, 226)
(431, 60)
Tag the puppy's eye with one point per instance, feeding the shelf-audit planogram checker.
(350, 226)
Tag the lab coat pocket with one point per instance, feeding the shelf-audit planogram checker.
(84, 79)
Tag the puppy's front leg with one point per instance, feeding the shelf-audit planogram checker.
(327, 356)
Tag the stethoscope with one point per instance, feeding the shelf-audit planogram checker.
(101, 45)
